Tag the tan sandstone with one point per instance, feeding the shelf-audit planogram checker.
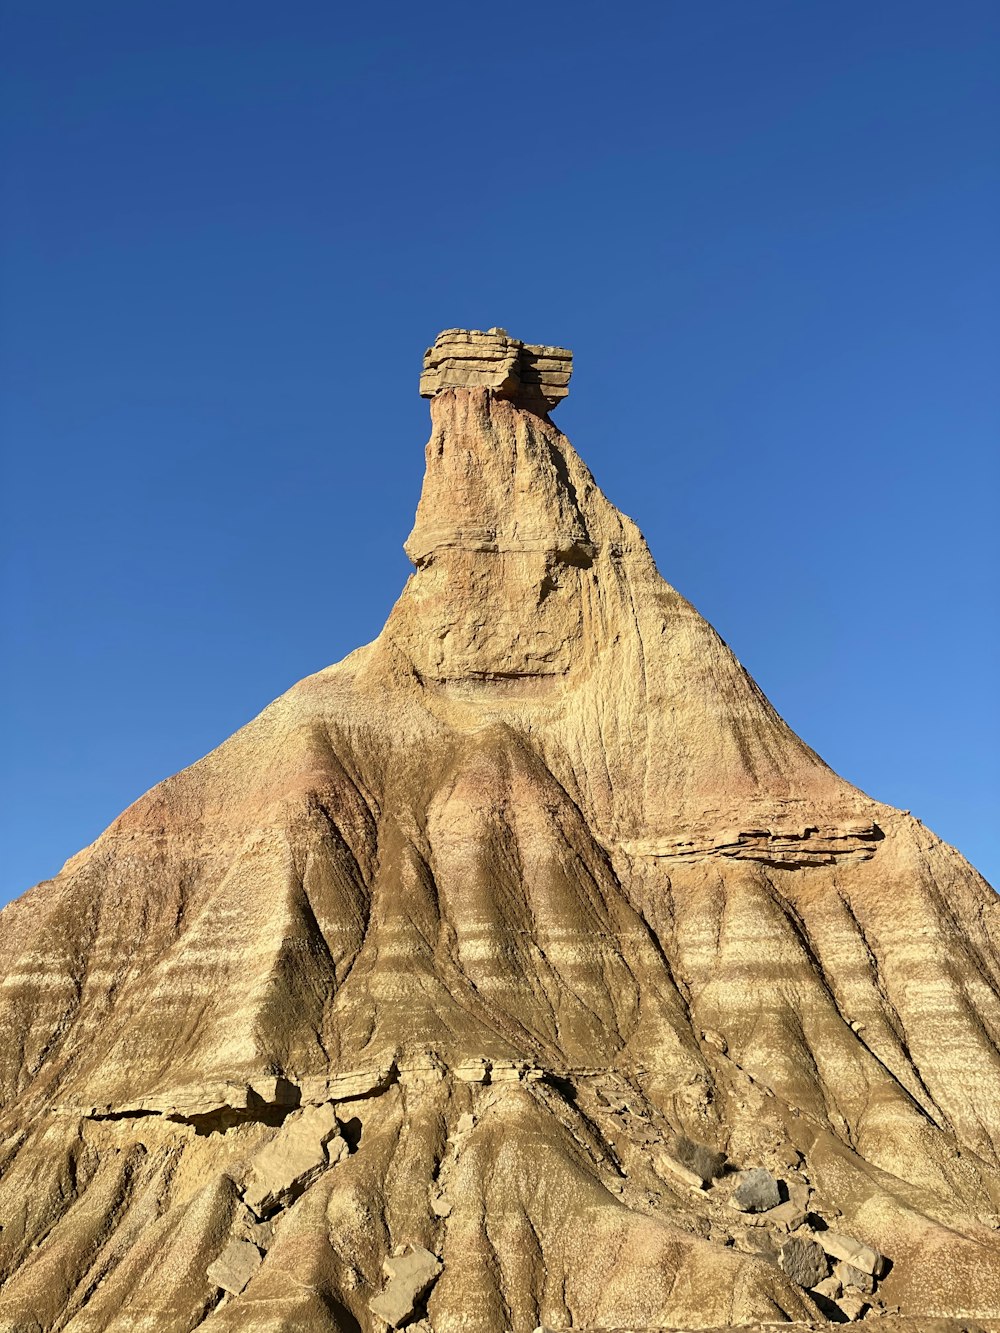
(534, 377)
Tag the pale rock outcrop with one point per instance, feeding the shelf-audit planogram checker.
(464, 936)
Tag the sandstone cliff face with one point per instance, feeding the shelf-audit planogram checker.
(461, 954)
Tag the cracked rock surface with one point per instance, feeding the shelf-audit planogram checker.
(511, 940)
(411, 1274)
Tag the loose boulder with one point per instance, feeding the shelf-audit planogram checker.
(757, 1191)
(235, 1266)
(786, 1217)
(853, 1252)
(854, 1277)
(852, 1305)
(411, 1275)
(804, 1261)
(798, 1192)
(830, 1289)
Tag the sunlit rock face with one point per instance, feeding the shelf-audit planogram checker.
(464, 982)
(534, 377)
(504, 556)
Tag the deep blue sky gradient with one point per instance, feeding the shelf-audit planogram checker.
(768, 230)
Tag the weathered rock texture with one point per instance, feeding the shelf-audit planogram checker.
(464, 942)
(536, 378)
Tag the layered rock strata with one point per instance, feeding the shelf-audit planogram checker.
(534, 377)
(504, 950)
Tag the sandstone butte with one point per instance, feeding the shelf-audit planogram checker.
(522, 969)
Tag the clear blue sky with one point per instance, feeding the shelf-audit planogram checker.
(767, 228)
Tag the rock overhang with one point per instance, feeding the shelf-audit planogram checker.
(534, 376)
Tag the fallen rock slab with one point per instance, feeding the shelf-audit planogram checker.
(853, 1252)
(830, 1287)
(803, 1261)
(247, 1226)
(411, 1275)
(665, 1164)
(761, 1242)
(854, 1277)
(797, 1189)
(786, 1217)
(235, 1266)
(306, 1145)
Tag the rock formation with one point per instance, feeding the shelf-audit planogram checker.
(523, 969)
(536, 378)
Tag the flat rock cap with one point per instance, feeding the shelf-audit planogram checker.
(533, 376)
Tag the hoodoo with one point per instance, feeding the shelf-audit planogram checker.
(523, 969)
